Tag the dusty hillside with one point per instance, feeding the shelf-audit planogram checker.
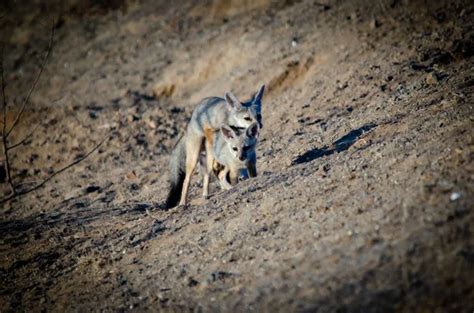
(364, 197)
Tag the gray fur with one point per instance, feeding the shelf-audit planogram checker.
(235, 151)
(207, 118)
(214, 112)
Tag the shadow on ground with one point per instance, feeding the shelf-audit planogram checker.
(342, 144)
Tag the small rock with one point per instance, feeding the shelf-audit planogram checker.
(133, 118)
(151, 124)
(163, 91)
(192, 282)
(353, 16)
(374, 23)
(455, 196)
(131, 175)
(104, 126)
(134, 187)
(342, 86)
(362, 143)
(431, 79)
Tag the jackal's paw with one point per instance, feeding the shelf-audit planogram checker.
(183, 206)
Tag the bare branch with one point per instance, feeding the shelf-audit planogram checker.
(33, 86)
(29, 135)
(19, 143)
(38, 186)
(4, 128)
(4, 98)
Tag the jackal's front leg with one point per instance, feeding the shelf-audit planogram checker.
(208, 143)
(233, 177)
(208, 169)
(252, 169)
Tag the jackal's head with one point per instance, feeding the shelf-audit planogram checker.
(240, 144)
(243, 114)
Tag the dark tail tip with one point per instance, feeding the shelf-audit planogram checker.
(174, 194)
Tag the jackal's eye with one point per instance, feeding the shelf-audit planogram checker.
(247, 118)
(234, 148)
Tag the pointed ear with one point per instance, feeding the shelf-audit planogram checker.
(228, 132)
(258, 96)
(232, 100)
(252, 131)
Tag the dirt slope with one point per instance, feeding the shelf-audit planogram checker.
(364, 199)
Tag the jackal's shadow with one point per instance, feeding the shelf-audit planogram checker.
(339, 145)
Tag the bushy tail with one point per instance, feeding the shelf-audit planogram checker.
(177, 167)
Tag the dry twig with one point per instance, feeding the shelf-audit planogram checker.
(30, 134)
(5, 132)
(33, 86)
(4, 128)
(41, 184)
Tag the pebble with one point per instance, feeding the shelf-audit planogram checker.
(151, 124)
(163, 91)
(374, 23)
(455, 196)
(431, 79)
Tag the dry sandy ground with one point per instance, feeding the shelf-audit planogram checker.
(364, 199)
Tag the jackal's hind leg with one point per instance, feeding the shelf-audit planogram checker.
(193, 150)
